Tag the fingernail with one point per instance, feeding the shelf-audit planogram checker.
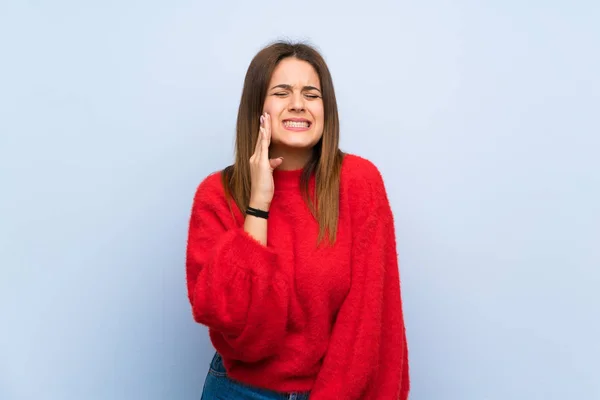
(262, 119)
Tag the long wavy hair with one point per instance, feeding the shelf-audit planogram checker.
(326, 158)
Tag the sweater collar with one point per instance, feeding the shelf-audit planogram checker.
(286, 180)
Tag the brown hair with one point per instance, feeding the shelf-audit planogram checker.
(326, 159)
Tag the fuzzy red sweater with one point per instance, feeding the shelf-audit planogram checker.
(291, 316)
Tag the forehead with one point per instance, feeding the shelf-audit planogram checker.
(292, 71)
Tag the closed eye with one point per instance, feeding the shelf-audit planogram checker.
(307, 95)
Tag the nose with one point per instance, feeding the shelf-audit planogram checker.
(296, 103)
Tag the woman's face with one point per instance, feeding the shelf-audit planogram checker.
(295, 105)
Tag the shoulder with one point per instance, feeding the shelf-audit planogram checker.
(210, 189)
(357, 167)
(361, 173)
(362, 182)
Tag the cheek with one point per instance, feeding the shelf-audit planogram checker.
(268, 107)
(273, 107)
(319, 115)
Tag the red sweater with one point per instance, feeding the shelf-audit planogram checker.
(293, 317)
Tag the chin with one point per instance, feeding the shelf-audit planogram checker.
(296, 140)
(296, 144)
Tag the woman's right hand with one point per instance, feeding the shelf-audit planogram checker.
(261, 168)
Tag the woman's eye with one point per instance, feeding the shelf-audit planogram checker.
(312, 96)
(280, 94)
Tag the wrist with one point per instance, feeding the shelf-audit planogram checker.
(255, 212)
(260, 205)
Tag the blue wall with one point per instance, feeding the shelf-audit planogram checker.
(482, 116)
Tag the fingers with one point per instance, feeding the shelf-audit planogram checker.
(276, 162)
(267, 126)
(260, 135)
(266, 139)
(261, 150)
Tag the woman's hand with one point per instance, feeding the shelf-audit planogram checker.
(261, 168)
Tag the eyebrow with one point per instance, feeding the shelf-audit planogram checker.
(289, 87)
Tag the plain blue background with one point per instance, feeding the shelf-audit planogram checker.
(482, 116)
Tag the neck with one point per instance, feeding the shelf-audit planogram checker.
(293, 159)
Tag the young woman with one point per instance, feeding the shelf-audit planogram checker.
(291, 255)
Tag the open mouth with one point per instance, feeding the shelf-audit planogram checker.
(296, 124)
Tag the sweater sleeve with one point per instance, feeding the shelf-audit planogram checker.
(235, 284)
(367, 358)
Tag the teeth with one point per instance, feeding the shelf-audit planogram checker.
(291, 124)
